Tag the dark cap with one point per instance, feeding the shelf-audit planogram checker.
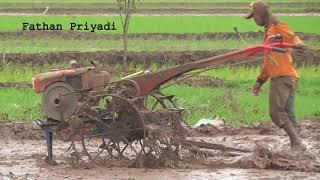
(256, 6)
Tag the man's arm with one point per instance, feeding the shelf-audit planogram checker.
(263, 77)
(292, 38)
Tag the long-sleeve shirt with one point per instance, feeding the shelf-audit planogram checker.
(279, 64)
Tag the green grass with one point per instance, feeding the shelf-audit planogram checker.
(11, 73)
(19, 104)
(238, 105)
(235, 105)
(38, 45)
(24, 73)
(164, 23)
(302, 8)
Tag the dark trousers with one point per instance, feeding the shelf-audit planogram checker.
(282, 100)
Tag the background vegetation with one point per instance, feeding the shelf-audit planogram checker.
(234, 104)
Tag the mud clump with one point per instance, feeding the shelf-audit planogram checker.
(20, 131)
(310, 129)
(167, 158)
(264, 158)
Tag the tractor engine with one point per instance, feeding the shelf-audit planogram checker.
(64, 89)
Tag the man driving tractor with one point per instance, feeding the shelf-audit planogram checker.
(279, 69)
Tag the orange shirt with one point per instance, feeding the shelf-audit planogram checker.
(279, 64)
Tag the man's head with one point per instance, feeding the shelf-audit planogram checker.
(260, 13)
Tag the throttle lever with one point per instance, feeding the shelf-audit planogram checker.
(280, 50)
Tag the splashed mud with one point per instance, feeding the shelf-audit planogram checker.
(23, 150)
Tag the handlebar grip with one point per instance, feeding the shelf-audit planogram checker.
(280, 50)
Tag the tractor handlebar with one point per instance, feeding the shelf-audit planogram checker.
(280, 50)
(146, 83)
(281, 47)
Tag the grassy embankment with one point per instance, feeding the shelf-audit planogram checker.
(108, 7)
(143, 24)
(164, 23)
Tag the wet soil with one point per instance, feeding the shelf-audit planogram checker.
(145, 36)
(310, 57)
(23, 150)
(205, 81)
(20, 131)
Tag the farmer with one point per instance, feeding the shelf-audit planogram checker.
(278, 67)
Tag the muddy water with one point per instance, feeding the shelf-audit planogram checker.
(24, 158)
(183, 174)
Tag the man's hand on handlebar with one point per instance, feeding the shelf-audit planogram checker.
(300, 48)
(256, 88)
